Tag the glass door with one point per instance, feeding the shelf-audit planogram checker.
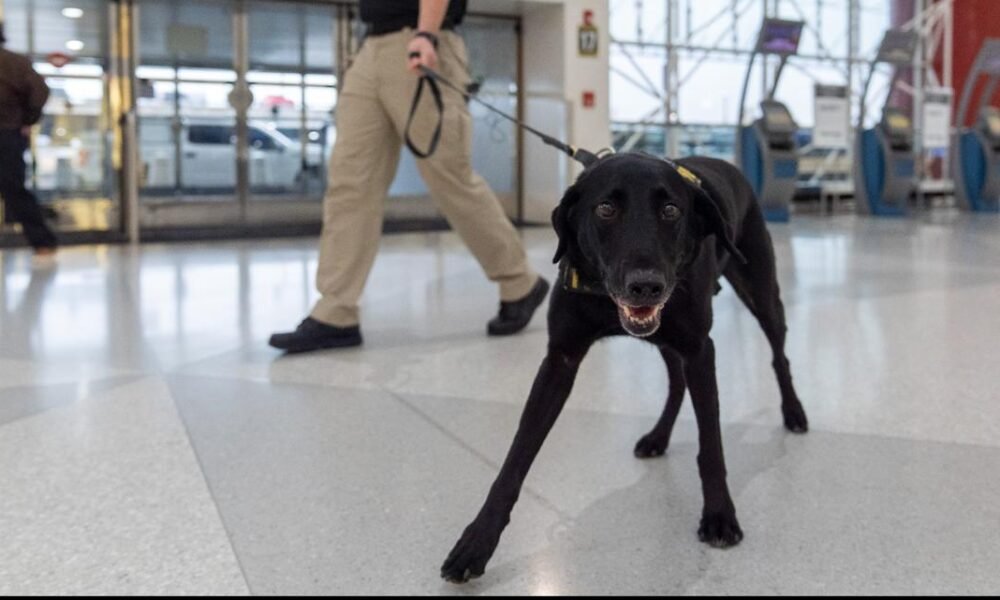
(235, 102)
(290, 121)
(187, 125)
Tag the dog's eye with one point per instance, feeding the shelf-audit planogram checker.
(670, 212)
(606, 211)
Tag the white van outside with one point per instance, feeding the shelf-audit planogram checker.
(208, 155)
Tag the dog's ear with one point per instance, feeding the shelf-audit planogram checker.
(560, 222)
(706, 205)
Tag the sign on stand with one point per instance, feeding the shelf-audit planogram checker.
(832, 117)
(937, 117)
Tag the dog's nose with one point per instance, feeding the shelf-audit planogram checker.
(645, 286)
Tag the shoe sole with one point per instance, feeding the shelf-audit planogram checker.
(327, 345)
(542, 295)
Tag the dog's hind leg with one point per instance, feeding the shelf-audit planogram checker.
(655, 442)
(552, 386)
(756, 283)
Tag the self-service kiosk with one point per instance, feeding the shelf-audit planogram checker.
(976, 149)
(766, 150)
(885, 173)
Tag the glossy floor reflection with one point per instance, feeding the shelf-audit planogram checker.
(150, 442)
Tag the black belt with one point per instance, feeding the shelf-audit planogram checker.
(378, 29)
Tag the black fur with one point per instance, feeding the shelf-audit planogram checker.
(646, 256)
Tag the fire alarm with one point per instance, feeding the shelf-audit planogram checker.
(589, 99)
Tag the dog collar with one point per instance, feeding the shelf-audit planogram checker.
(684, 172)
(573, 281)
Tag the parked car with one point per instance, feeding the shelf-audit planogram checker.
(319, 146)
(208, 155)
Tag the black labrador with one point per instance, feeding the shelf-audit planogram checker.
(642, 243)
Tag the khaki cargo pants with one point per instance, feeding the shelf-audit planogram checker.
(372, 112)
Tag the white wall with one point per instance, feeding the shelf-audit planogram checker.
(555, 79)
(590, 126)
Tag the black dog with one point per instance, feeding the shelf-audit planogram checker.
(642, 243)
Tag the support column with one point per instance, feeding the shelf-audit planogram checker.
(121, 106)
(918, 97)
(672, 80)
(558, 83)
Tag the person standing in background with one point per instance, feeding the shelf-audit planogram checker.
(23, 94)
(372, 115)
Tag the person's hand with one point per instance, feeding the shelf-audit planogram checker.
(421, 52)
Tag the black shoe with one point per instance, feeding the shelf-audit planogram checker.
(313, 335)
(515, 316)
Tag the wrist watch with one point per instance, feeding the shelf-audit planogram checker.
(428, 36)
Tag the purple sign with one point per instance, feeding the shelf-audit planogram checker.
(780, 37)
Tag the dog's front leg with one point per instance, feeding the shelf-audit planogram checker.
(552, 386)
(719, 526)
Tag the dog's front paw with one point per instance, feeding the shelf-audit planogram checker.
(651, 446)
(469, 556)
(795, 418)
(720, 531)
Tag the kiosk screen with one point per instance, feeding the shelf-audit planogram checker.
(780, 37)
(898, 47)
(992, 64)
(898, 123)
(990, 56)
(778, 119)
(993, 124)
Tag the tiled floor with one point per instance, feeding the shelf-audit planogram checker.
(150, 442)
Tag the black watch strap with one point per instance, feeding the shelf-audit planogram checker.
(428, 36)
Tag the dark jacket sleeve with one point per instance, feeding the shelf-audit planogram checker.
(36, 95)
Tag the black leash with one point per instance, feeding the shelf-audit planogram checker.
(570, 277)
(431, 79)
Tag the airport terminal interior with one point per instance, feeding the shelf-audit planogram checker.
(153, 443)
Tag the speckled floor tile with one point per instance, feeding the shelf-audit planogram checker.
(105, 496)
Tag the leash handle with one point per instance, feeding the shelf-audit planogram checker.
(439, 104)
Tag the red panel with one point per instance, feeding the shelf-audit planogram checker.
(975, 20)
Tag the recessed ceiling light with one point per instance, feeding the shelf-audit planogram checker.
(71, 12)
(74, 45)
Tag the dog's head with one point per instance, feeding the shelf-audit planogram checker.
(637, 223)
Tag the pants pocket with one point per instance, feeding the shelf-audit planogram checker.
(455, 58)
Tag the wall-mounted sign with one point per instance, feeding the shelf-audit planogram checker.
(588, 36)
(832, 117)
(937, 117)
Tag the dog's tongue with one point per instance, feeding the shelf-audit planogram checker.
(640, 312)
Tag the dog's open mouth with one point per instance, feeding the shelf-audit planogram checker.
(640, 321)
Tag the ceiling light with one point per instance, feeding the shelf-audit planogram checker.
(74, 45)
(71, 12)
